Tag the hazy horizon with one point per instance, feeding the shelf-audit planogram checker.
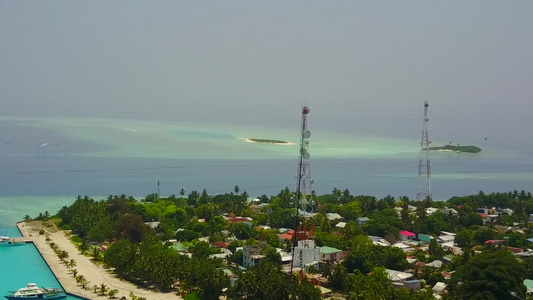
(361, 66)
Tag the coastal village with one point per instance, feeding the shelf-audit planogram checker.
(343, 249)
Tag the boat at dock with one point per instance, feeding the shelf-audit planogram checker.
(7, 241)
(32, 291)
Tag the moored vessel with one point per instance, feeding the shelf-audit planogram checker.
(7, 241)
(32, 291)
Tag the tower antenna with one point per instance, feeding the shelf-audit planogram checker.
(304, 181)
(424, 166)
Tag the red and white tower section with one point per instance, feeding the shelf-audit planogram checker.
(424, 166)
(304, 166)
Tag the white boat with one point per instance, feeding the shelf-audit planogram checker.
(7, 241)
(32, 291)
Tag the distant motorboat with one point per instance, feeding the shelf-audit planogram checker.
(32, 291)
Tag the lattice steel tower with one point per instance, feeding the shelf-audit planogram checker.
(424, 166)
(304, 166)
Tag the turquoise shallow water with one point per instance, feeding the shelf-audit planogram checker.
(23, 264)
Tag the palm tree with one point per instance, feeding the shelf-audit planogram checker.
(74, 272)
(95, 253)
(103, 289)
(84, 247)
(27, 218)
(112, 293)
(63, 255)
(72, 263)
(236, 189)
(82, 281)
(182, 192)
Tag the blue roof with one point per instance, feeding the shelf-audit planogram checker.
(530, 240)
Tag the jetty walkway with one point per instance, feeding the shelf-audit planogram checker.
(96, 275)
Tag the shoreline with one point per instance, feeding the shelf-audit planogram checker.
(96, 275)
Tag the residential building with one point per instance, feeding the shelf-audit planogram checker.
(331, 254)
(251, 255)
(361, 221)
(406, 235)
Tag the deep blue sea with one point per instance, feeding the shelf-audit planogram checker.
(46, 162)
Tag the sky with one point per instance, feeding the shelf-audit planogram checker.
(360, 65)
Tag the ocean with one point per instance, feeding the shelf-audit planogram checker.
(46, 162)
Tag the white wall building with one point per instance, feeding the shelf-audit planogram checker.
(306, 254)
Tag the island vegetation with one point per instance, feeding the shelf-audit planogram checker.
(267, 141)
(141, 238)
(457, 148)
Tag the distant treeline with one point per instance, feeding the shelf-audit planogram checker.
(268, 141)
(457, 148)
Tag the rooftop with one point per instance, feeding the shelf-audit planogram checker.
(329, 250)
(407, 233)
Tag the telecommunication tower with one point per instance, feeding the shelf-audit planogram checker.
(304, 167)
(304, 181)
(424, 166)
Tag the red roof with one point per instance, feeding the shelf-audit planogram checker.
(494, 241)
(220, 245)
(483, 215)
(238, 219)
(285, 236)
(407, 233)
(514, 250)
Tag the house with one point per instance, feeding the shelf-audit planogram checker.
(413, 285)
(448, 211)
(425, 237)
(333, 216)
(220, 245)
(152, 225)
(286, 257)
(445, 238)
(331, 254)
(361, 221)
(376, 240)
(438, 288)
(406, 235)
(341, 225)
(431, 210)
(398, 276)
(529, 286)
(234, 219)
(482, 210)
(287, 236)
(435, 264)
(180, 247)
(494, 242)
(252, 255)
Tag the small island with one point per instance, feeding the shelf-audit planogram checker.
(457, 148)
(268, 141)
